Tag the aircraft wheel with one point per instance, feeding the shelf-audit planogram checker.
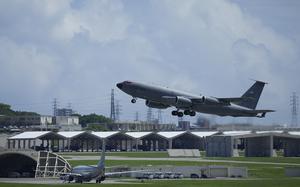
(133, 100)
(187, 112)
(180, 114)
(174, 113)
(192, 113)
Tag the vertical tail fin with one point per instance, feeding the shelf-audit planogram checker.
(101, 163)
(252, 95)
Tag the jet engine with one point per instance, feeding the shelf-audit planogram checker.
(178, 101)
(182, 102)
(210, 101)
(153, 104)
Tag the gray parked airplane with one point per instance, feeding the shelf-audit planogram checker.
(161, 98)
(86, 173)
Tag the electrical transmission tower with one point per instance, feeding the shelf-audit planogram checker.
(295, 104)
(159, 116)
(55, 106)
(112, 106)
(149, 115)
(136, 116)
(118, 110)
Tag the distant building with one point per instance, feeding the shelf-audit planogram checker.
(64, 112)
(41, 122)
(67, 123)
(21, 121)
(139, 126)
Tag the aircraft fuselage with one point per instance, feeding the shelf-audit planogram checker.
(157, 94)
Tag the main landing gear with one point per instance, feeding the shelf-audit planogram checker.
(186, 112)
(133, 100)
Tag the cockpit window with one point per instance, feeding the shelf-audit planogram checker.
(127, 82)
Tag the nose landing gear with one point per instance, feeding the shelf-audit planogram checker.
(133, 100)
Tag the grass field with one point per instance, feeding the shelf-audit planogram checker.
(161, 154)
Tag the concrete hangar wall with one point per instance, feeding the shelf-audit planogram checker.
(254, 144)
(15, 164)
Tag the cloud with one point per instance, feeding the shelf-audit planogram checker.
(101, 21)
(26, 70)
(72, 49)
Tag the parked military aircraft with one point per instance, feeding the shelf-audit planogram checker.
(161, 98)
(86, 173)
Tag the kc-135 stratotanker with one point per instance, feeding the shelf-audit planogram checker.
(188, 104)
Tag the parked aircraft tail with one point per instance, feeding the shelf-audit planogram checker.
(101, 163)
(252, 95)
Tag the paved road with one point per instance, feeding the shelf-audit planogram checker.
(71, 157)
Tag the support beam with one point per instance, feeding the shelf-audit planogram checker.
(170, 143)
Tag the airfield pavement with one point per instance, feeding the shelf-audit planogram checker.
(72, 157)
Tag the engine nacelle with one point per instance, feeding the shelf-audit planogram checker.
(178, 101)
(183, 102)
(153, 104)
(210, 101)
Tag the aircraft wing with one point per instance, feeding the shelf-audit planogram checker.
(260, 113)
(233, 99)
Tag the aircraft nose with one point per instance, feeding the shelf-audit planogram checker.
(120, 85)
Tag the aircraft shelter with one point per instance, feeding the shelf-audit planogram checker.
(228, 143)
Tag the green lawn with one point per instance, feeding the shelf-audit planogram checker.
(294, 160)
(149, 154)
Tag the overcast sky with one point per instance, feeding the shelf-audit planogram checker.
(77, 51)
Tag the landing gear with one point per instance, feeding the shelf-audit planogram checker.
(79, 180)
(192, 113)
(180, 114)
(189, 112)
(133, 100)
(174, 113)
(186, 112)
(177, 113)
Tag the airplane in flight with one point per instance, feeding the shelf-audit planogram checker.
(85, 173)
(188, 104)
